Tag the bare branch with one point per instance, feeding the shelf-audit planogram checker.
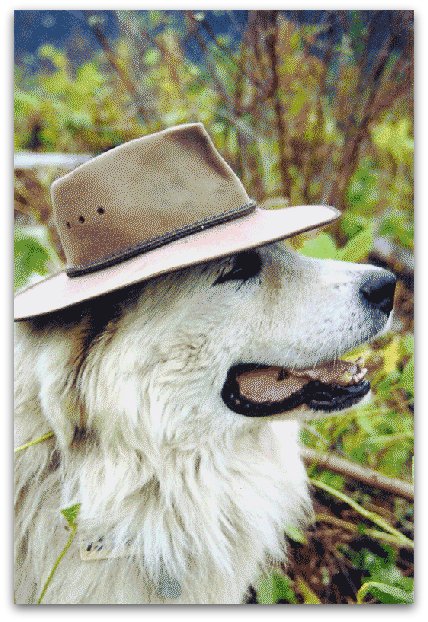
(359, 473)
(111, 57)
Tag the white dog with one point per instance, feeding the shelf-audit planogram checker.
(175, 409)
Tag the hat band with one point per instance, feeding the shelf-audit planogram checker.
(162, 240)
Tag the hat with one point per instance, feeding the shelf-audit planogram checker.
(151, 206)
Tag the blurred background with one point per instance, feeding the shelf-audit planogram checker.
(307, 107)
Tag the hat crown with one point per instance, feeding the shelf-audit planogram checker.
(144, 194)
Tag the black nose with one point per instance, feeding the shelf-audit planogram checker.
(378, 290)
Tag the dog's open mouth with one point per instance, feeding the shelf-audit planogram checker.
(259, 390)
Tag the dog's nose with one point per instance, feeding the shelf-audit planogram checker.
(378, 290)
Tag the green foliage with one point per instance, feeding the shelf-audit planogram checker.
(356, 249)
(384, 581)
(322, 246)
(76, 110)
(274, 588)
(380, 433)
(363, 191)
(385, 593)
(395, 138)
(31, 256)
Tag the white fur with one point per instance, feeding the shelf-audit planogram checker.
(202, 494)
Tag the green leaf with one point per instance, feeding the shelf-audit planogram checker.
(70, 514)
(387, 594)
(31, 257)
(294, 533)
(407, 377)
(274, 588)
(395, 138)
(321, 246)
(363, 194)
(308, 595)
(358, 247)
(152, 56)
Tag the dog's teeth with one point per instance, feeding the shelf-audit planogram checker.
(348, 377)
(360, 374)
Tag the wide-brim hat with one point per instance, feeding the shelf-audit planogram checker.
(149, 207)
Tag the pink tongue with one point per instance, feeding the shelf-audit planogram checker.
(275, 384)
(262, 385)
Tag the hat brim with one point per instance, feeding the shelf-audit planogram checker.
(256, 229)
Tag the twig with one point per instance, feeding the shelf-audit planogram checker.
(271, 43)
(357, 472)
(115, 64)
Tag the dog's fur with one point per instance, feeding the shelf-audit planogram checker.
(185, 492)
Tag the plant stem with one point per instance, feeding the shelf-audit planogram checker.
(372, 533)
(73, 530)
(35, 441)
(372, 516)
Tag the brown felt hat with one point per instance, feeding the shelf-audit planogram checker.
(151, 206)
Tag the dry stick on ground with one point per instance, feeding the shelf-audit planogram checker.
(359, 473)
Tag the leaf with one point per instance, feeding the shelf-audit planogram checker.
(70, 514)
(358, 247)
(294, 533)
(407, 377)
(363, 194)
(31, 257)
(321, 246)
(276, 587)
(391, 356)
(152, 57)
(309, 597)
(395, 138)
(387, 594)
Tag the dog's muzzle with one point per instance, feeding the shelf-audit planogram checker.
(259, 390)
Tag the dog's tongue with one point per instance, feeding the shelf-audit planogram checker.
(275, 384)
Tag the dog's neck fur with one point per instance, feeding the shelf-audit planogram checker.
(208, 511)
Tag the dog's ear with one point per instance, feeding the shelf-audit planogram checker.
(49, 357)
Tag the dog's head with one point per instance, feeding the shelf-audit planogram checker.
(225, 345)
(256, 335)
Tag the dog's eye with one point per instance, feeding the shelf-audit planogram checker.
(245, 266)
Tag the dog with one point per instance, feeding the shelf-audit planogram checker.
(175, 407)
